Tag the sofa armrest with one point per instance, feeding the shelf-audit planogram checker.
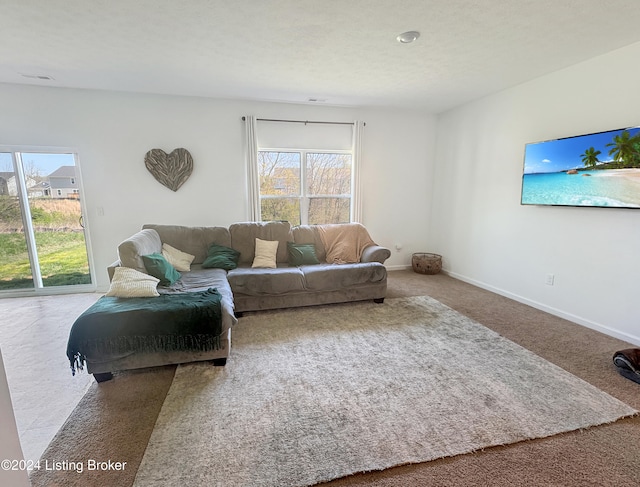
(375, 253)
(112, 269)
(145, 242)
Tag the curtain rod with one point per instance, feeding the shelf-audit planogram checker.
(299, 121)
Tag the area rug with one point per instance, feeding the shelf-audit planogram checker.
(313, 394)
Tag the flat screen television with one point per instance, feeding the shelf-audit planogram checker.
(594, 170)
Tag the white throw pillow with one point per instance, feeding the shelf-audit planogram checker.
(130, 283)
(177, 258)
(265, 254)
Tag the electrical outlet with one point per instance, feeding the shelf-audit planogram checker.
(550, 279)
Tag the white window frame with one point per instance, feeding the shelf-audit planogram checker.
(303, 197)
(17, 151)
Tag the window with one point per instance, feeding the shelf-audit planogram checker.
(305, 172)
(305, 187)
(42, 237)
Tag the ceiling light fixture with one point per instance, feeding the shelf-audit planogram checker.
(408, 37)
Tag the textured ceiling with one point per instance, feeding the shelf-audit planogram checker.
(341, 51)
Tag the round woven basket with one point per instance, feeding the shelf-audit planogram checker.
(425, 263)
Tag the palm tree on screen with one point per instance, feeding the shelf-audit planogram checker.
(590, 157)
(635, 158)
(623, 149)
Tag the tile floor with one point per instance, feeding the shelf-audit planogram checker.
(33, 338)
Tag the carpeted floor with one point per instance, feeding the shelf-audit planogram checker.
(114, 421)
(314, 394)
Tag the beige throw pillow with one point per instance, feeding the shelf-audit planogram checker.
(130, 283)
(177, 258)
(265, 255)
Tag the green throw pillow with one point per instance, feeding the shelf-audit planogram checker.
(221, 257)
(160, 268)
(302, 254)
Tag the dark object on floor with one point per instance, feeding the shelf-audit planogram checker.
(628, 363)
(103, 377)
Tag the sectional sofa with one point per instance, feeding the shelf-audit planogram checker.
(305, 265)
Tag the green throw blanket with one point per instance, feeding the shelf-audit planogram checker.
(114, 327)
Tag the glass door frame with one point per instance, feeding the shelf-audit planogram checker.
(23, 195)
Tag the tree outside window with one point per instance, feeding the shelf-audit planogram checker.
(305, 187)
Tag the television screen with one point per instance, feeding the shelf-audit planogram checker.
(596, 170)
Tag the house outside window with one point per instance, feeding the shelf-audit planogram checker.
(63, 180)
(42, 231)
(305, 187)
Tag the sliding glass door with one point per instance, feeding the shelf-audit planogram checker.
(42, 237)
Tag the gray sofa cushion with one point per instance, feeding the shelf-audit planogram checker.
(256, 282)
(328, 277)
(243, 238)
(144, 242)
(192, 240)
(308, 234)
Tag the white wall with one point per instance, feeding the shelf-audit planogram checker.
(113, 131)
(487, 238)
(10, 448)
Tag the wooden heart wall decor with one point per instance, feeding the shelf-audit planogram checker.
(171, 170)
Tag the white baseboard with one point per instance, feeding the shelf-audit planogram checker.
(398, 267)
(635, 340)
(51, 291)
